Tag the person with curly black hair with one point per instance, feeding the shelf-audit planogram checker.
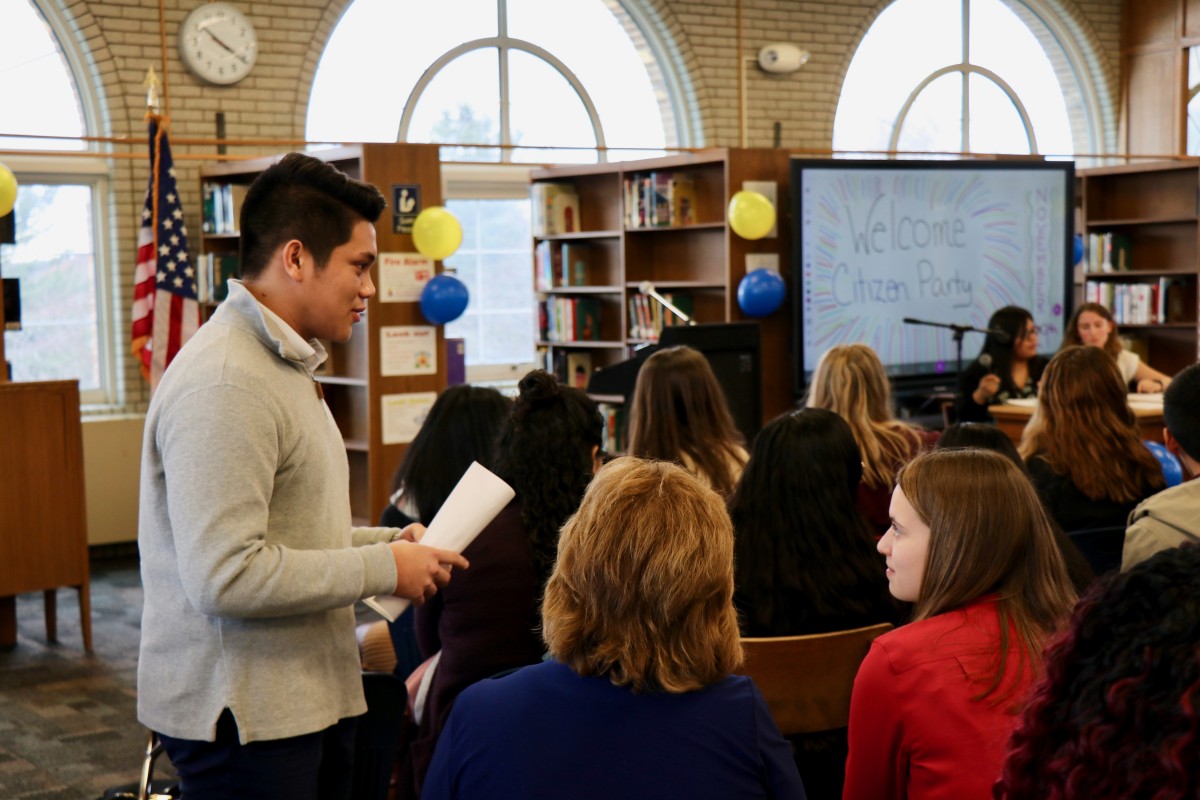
(547, 451)
(1118, 712)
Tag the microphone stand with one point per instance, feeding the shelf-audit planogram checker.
(958, 331)
(646, 287)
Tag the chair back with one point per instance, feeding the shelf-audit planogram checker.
(806, 680)
(1101, 547)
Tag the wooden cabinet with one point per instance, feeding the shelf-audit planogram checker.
(43, 527)
(1151, 211)
(683, 247)
(352, 381)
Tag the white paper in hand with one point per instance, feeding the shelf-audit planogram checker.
(476, 500)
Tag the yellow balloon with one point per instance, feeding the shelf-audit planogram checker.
(8, 190)
(751, 215)
(436, 233)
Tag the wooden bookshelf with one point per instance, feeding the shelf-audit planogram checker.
(351, 380)
(702, 261)
(1154, 208)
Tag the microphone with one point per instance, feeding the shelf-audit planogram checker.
(985, 360)
(647, 288)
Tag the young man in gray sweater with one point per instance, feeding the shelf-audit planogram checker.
(249, 669)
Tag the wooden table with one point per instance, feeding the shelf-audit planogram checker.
(1012, 420)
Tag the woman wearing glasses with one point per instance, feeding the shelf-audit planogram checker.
(1008, 366)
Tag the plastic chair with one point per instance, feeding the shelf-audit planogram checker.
(1101, 547)
(1172, 469)
(378, 734)
(806, 680)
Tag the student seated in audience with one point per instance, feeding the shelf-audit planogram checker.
(1092, 325)
(1116, 715)
(989, 437)
(638, 700)
(1082, 445)
(461, 427)
(547, 451)
(680, 414)
(849, 380)
(935, 700)
(1172, 516)
(805, 560)
(1008, 366)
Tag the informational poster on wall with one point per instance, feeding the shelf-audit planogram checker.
(403, 415)
(402, 276)
(408, 350)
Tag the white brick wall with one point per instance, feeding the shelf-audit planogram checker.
(121, 38)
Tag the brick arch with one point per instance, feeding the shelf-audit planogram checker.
(1076, 54)
(649, 23)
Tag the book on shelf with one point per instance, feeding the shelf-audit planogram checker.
(548, 261)
(578, 369)
(1140, 303)
(555, 209)
(683, 200)
(1108, 252)
(659, 199)
(218, 269)
(648, 317)
(573, 264)
(222, 207)
(614, 434)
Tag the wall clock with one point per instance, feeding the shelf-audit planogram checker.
(218, 43)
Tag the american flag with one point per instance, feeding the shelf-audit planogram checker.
(165, 309)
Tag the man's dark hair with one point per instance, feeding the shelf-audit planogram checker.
(1181, 410)
(304, 198)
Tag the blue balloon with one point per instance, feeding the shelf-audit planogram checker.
(444, 299)
(1078, 248)
(1172, 469)
(760, 292)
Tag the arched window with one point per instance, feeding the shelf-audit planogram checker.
(528, 73)
(977, 76)
(57, 257)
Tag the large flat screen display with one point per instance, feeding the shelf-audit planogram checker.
(880, 241)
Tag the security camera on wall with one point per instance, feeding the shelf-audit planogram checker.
(781, 57)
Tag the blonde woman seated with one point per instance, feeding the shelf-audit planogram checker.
(1082, 445)
(935, 700)
(850, 382)
(638, 701)
(679, 414)
(1092, 325)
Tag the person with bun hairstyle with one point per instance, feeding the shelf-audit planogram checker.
(1092, 325)
(1118, 713)
(935, 700)
(636, 700)
(679, 414)
(1082, 445)
(1008, 365)
(547, 451)
(850, 381)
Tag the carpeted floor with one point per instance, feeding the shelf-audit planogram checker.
(68, 720)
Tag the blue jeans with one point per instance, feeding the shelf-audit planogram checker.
(315, 766)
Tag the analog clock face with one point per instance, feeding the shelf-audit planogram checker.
(218, 43)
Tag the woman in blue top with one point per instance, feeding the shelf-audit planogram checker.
(638, 701)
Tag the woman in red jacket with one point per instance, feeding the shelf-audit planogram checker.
(935, 700)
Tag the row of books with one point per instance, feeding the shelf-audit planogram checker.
(660, 199)
(212, 275)
(561, 264)
(614, 434)
(647, 317)
(1108, 252)
(555, 209)
(571, 367)
(569, 319)
(222, 206)
(1141, 303)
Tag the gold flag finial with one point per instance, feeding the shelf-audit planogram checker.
(153, 85)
